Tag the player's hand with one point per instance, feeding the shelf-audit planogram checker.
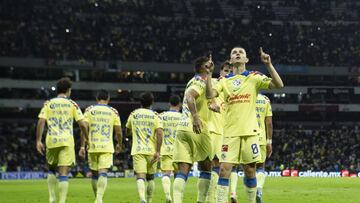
(209, 66)
(82, 152)
(40, 147)
(268, 150)
(197, 125)
(117, 148)
(214, 107)
(156, 157)
(265, 58)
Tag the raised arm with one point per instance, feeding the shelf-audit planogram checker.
(276, 82)
(210, 91)
(39, 132)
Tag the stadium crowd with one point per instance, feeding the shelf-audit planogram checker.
(158, 31)
(294, 147)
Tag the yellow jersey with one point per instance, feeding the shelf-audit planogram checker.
(142, 123)
(59, 114)
(217, 120)
(240, 93)
(197, 83)
(170, 120)
(101, 119)
(263, 109)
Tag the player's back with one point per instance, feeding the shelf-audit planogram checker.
(197, 84)
(143, 123)
(59, 113)
(101, 119)
(217, 119)
(170, 120)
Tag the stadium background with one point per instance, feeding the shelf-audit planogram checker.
(130, 46)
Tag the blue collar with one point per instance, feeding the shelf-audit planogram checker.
(173, 110)
(245, 73)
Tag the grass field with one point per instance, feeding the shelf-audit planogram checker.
(290, 190)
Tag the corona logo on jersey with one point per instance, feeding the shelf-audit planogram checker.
(241, 98)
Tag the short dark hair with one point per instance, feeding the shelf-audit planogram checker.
(223, 65)
(63, 85)
(174, 100)
(199, 62)
(102, 95)
(146, 99)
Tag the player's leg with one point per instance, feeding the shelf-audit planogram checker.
(94, 180)
(250, 155)
(183, 156)
(52, 159)
(229, 157)
(204, 179)
(139, 162)
(216, 153)
(63, 183)
(211, 195)
(66, 160)
(166, 165)
(233, 184)
(105, 161)
(260, 174)
(166, 184)
(93, 165)
(180, 181)
(151, 170)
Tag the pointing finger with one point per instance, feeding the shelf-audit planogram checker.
(261, 50)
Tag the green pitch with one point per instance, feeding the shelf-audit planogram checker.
(289, 190)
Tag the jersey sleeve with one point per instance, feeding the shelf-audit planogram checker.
(87, 115)
(43, 112)
(117, 120)
(77, 112)
(158, 122)
(198, 86)
(262, 80)
(128, 123)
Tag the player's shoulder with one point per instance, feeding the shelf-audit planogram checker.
(263, 97)
(256, 73)
(114, 110)
(73, 103)
(46, 102)
(89, 108)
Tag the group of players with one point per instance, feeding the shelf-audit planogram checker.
(224, 122)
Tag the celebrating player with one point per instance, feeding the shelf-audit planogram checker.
(59, 113)
(241, 142)
(102, 120)
(216, 128)
(193, 142)
(146, 129)
(170, 121)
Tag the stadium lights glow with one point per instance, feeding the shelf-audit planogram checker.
(127, 139)
(53, 88)
(270, 34)
(67, 30)
(111, 44)
(96, 4)
(311, 44)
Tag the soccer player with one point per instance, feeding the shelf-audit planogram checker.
(193, 142)
(146, 129)
(170, 121)
(241, 142)
(59, 113)
(216, 128)
(264, 117)
(102, 120)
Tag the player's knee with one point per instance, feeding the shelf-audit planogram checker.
(250, 170)
(225, 170)
(52, 170)
(150, 177)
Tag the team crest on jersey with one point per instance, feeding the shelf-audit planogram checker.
(236, 82)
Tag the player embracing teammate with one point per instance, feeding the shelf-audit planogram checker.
(241, 130)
